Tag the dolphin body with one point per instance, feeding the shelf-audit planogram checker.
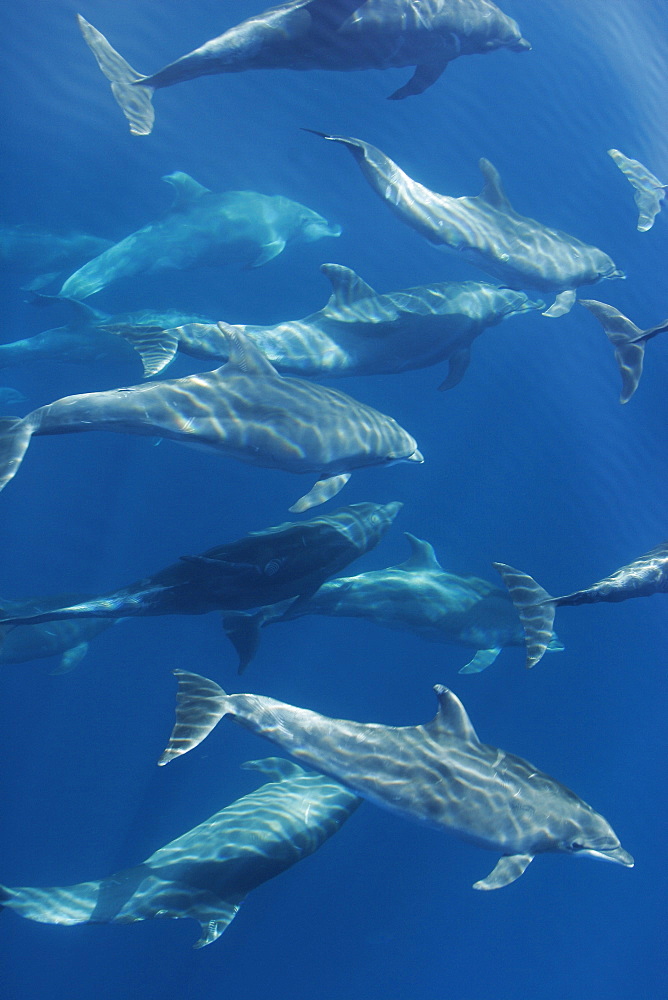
(207, 872)
(244, 409)
(290, 560)
(486, 230)
(439, 773)
(201, 227)
(648, 191)
(416, 596)
(46, 255)
(643, 577)
(324, 35)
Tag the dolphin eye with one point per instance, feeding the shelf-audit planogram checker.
(375, 519)
(577, 847)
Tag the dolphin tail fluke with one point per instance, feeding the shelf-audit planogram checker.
(535, 607)
(15, 437)
(627, 340)
(155, 346)
(132, 96)
(200, 705)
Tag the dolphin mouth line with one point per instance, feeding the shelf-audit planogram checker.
(618, 855)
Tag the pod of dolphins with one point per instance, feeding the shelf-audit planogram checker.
(257, 405)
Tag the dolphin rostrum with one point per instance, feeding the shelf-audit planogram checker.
(628, 341)
(201, 227)
(320, 34)
(439, 773)
(207, 872)
(244, 409)
(648, 192)
(643, 577)
(290, 560)
(486, 230)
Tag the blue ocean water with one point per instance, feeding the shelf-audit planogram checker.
(530, 460)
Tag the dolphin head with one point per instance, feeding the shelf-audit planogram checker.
(589, 834)
(370, 521)
(503, 33)
(314, 227)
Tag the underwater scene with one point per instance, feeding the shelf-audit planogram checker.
(394, 272)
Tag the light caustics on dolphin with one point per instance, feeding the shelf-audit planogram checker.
(439, 774)
(486, 230)
(648, 191)
(643, 577)
(245, 410)
(320, 34)
(207, 873)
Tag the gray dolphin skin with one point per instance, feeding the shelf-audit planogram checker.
(486, 230)
(643, 577)
(648, 191)
(245, 410)
(46, 255)
(290, 560)
(207, 873)
(439, 774)
(416, 596)
(235, 227)
(323, 35)
(67, 639)
(628, 341)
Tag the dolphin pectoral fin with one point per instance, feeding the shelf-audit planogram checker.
(212, 929)
(424, 76)
(482, 659)
(459, 362)
(268, 252)
(535, 607)
(506, 871)
(562, 304)
(15, 437)
(70, 659)
(243, 631)
(200, 705)
(628, 341)
(133, 97)
(323, 490)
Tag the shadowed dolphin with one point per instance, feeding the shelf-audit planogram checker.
(486, 230)
(207, 873)
(235, 227)
(244, 409)
(46, 255)
(439, 773)
(628, 341)
(9, 398)
(643, 577)
(324, 35)
(290, 560)
(648, 192)
(416, 596)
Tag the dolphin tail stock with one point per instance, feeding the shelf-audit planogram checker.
(15, 434)
(200, 705)
(628, 341)
(132, 96)
(535, 607)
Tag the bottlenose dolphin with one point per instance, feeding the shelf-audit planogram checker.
(46, 255)
(628, 341)
(244, 409)
(648, 193)
(439, 773)
(10, 398)
(325, 35)
(207, 872)
(290, 560)
(416, 596)
(643, 577)
(486, 230)
(235, 227)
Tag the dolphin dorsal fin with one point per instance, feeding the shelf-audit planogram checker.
(243, 354)
(186, 189)
(347, 287)
(276, 768)
(492, 191)
(422, 555)
(451, 721)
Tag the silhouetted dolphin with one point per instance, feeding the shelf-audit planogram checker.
(628, 341)
(10, 398)
(439, 773)
(207, 872)
(643, 577)
(648, 193)
(416, 596)
(486, 230)
(235, 227)
(244, 409)
(322, 34)
(45, 254)
(289, 560)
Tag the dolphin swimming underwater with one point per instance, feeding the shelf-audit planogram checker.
(244, 409)
(207, 872)
(648, 192)
(68, 639)
(439, 774)
(323, 35)
(486, 230)
(46, 255)
(628, 341)
(643, 577)
(201, 227)
(10, 397)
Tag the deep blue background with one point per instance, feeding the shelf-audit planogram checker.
(531, 460)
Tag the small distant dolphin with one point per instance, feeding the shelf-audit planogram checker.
(324, 35)
(290, 560)
(628, 341)
(649, 191)
(643, 577)
(46, 255)
(416, 596)
(207, 872)
(10, 397)
(439, 773)
(486, 230)
(235, 227)
(244, 409)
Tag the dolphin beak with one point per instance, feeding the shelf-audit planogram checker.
(521, 46)
(618, 855)
(417, 456)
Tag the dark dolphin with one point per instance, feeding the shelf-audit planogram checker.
(46, 255)
(64, 638)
